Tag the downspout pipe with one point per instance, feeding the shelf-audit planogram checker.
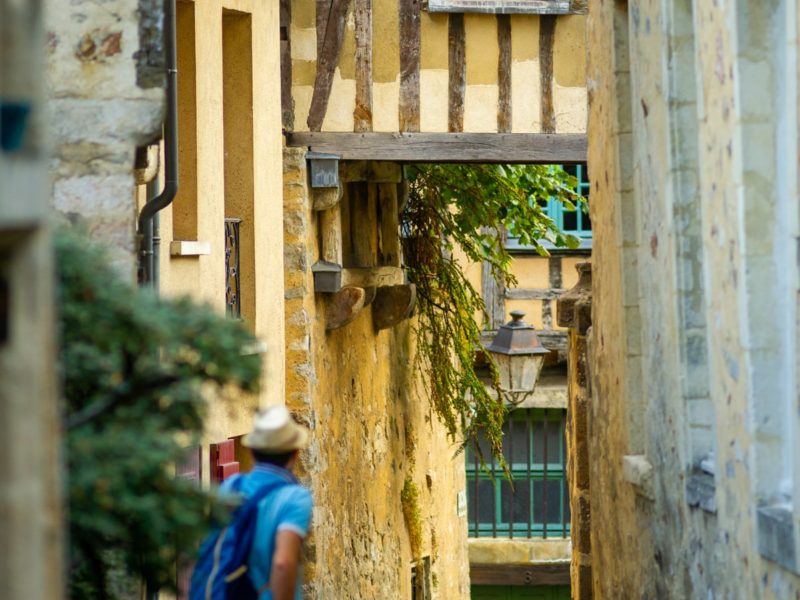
(167, 195)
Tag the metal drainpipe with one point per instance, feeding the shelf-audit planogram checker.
(149, 242)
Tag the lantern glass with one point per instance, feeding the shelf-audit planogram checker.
(518, 354)
(519, 372)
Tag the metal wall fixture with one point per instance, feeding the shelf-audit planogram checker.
(323, 169)
(519, 356)
(233, 299)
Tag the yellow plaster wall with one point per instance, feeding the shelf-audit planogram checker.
(531, 271)
(482, 52)
(373, 431)
(253, 189)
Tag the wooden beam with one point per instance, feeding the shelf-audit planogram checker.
(327, 58)
(363, 225)
(330, 224)
(457, 68)
(362, 115)
(534, 293)
(556, 573)
(343, 306)
(374, 277)
(410, 42)
(389, 225)
(492, 290)
(370, 170)
(547, 38)
(287, 103)
(393, 304)
(504, 74)
(564, 148)
(324, 198)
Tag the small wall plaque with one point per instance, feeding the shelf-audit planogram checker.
(503, 7)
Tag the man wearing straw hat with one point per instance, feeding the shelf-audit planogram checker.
(284, 514)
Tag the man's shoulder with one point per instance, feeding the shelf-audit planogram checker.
(295, 494)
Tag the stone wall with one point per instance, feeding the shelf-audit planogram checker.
(693, 423)
(99, 113)
(574, 312)
(384, 477)
(30, 496)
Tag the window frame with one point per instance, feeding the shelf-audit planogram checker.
(556, 211)
(529, 472)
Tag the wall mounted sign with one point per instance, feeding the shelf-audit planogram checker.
(507, 7)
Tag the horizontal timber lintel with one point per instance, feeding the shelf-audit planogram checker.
(554, 573)
(542, 148)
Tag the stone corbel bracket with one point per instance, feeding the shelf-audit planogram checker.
(575, 305)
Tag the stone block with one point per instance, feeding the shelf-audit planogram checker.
(776, 536)
(638, 471)
(295, 258)
(695, 359)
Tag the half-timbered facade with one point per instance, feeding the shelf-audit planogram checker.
(390, 66)
(367, 86)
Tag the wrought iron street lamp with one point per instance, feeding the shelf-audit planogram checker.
(519, 356)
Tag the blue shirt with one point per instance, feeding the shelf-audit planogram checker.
(286, 508)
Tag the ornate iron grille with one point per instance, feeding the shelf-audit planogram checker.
(233, 300)
(538, 504)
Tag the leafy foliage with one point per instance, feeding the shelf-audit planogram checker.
(134, 370)
(470, 207)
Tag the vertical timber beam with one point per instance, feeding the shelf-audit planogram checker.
(493, 291)
(410, 38)
(330, 223)
(330, 36)
(287, 103)
(457, 72)
(504, 74)
(547, 36)
(389, 246)
(362, 115)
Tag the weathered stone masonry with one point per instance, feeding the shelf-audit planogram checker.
(373, 437)
(100, 111)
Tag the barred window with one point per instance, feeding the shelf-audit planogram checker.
(538, 503)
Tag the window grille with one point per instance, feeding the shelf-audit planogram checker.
(233, 302)
(538, 503)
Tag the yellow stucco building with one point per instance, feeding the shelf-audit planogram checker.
(378, 85)
(221, 239)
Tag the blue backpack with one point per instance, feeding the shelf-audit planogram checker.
(221, 569)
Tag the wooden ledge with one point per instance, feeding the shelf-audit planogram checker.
(550, 573)
(189, 248)
(542, 148)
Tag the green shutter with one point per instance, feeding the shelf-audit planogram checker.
(514, 592)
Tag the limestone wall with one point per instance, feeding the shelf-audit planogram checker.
(374, 436)
(30, 497)
(104, 101)
(693, 421)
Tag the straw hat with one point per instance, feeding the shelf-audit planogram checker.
(275, 432)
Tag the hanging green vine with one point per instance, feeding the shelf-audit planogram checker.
(452, 207)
